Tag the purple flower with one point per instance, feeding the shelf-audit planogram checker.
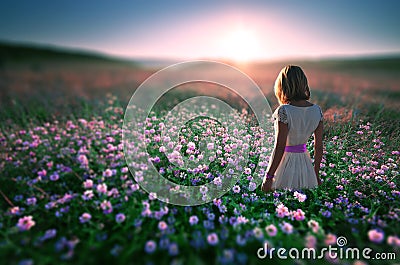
(173, 249)
(116, 250)
(31, 201)
(119, 218)
(326, 214)
(51, 233)
(26, 262)
(286, 228)
(208, 224)
(252, 186)
(211, 216)
(222, 209)
(150, 246)
(240, 240)
(54, 177)
(193, 220)
(222, 219)
(164, 243)
(227, 256)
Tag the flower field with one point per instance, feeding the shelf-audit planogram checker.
(68, 197)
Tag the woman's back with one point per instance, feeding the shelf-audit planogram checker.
(302, 121)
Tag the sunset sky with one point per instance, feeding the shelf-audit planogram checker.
(240, 30)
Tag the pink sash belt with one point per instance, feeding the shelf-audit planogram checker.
(300, 148)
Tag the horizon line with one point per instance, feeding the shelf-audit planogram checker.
(161, 58)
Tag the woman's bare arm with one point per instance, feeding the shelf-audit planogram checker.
(277, 156)
(318, 149)
(279, 147)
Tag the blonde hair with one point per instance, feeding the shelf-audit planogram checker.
(291, 84)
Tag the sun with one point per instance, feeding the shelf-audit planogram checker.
(241, 45)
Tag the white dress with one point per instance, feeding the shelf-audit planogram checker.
(295, 169)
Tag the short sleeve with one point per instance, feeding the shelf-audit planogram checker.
(281, 115)
(320, 111)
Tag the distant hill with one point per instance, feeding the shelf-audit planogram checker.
(381, 63)
(28, 53)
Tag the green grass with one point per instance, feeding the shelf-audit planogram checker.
(104, 240)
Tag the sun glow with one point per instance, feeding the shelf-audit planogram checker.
(241, 45)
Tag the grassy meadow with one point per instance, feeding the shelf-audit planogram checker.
(67, 196)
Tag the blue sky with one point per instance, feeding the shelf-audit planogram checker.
(207, 29)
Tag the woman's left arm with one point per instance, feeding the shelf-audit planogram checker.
(279, 149)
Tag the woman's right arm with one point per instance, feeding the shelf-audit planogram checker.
(318, 149)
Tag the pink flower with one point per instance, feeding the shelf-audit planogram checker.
(376, 236)
(191, 146)
(210, 146)
(286, 228)
(359, 262)
(236, 189)
(393, 241)
(299, 196)
(152, 196)
(331, 257)
(106, 206)
(15, 210)
(82, 159)
(193, 220)
(212, 239)
(107, 173)
(25, 223)
(271, 230)
(282, 210)
(298, 215)
(42, 173)
(162, 225)
(102, 188)
(330, 239)
(313, 225)
(311, 241)
(85, 217)
(88, 184)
